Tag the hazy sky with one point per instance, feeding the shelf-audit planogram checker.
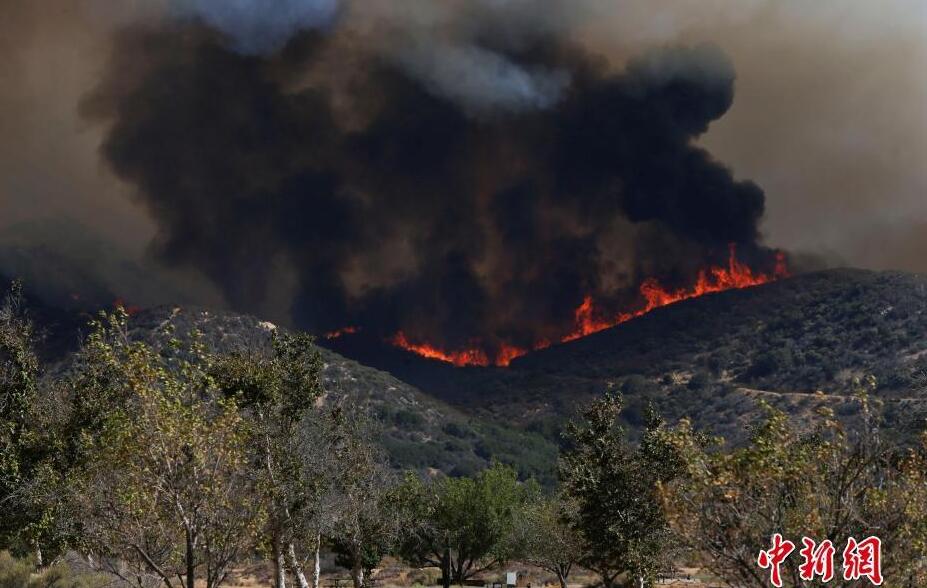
(829, 117)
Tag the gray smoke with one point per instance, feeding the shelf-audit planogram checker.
(499, 166)
(259, 26)
(829, 118)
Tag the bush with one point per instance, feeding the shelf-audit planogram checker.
(769, 362)
(698, 381)
(457, 430)
(18, 573)
(424, 576)
(61, 576)
(636, 385)
(405, 418)
(14, 573)
(465, 469)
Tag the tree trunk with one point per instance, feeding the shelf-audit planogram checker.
(38, 555)
(190, 560)
(357, 573)
(279, 563)
(297, 567)
(562, 579)
(446, 567)
(317, 569)
(640, 582)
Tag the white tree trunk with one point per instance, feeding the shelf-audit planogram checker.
(317, 570)
(279, 565)
(297, 567)
(357, 574)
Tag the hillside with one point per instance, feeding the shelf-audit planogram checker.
(799, 344)
(419, 431)
(713, 357)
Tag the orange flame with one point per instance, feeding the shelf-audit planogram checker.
(587, 320)
(473, 356)
(715, 279)
(350, 330)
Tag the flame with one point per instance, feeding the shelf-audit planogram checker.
(715, 279)
(588, 320)
(474, 356)
(129, 309)
(509, 352)
(350, 330)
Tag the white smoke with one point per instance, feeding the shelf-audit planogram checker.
(483, 81)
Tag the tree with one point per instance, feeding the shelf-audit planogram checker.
(367, 511)
(543, 536)
(466, 524)
(276, 386)
(19, 373)
(823, 482)
(164, 489)
(614, 485)
(29, 460)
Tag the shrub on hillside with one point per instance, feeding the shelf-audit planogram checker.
(18, 573)
(14, 573)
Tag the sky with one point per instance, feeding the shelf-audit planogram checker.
(829, 117)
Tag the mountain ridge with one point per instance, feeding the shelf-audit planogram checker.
(819, 331)
(801, 344)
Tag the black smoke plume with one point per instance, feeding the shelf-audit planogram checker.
(393, 190)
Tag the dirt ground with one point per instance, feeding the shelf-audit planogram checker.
(394, 575)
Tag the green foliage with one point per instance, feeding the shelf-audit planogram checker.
(14, 573)
(458, 430)
(29, 408)
(465, 524)
(614, 486)
(544, 536)
(61, 576)
(282, 382)
(276, 386)
(19, 373)
(367, 508)
(823, 483)
(533, 456)
(408, 418)
(164, 485)
(371, 554)
(20, 573)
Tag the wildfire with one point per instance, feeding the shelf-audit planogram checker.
(341, 332)
(129, 309)
(473, 356)
(715, 279)
(588, 320)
